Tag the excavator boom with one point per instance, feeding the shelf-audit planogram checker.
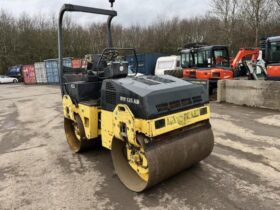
(244, 52)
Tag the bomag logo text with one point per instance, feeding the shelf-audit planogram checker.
(183, 119)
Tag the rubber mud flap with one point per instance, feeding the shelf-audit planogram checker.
(167, 155)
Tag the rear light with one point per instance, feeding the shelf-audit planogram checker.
(216, 74)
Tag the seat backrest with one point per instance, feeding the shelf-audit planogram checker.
(116, 70)
(92, 62)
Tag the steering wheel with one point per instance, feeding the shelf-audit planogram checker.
(110, 55)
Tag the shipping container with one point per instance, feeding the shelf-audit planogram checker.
(76, 63)
(40, 72)
(52, 72)
(29, 76)
(67, 62)
(146, 62)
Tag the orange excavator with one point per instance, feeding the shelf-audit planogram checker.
(203, 62)
(264, 60)
(212, 62)
(245, 52)
(271, 55)
(207, 62)
(243, 59)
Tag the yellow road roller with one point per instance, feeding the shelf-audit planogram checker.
(155, 126)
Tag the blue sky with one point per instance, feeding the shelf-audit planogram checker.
(129, 11)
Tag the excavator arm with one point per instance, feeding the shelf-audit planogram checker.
(242, 53)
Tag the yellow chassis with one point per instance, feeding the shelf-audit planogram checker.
(111, 121)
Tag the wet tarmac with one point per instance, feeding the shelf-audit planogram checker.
(38, 171)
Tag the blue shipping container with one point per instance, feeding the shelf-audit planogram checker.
(146, 62)
(52, 69)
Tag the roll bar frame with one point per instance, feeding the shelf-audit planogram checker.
(77, 8)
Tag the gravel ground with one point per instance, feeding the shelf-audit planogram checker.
(38, 171)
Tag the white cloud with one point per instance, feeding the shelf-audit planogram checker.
(129, 11)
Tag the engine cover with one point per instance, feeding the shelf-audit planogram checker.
(150, 97)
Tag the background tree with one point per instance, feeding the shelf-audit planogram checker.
(27, 39)
(227, 11)
(257, 14)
